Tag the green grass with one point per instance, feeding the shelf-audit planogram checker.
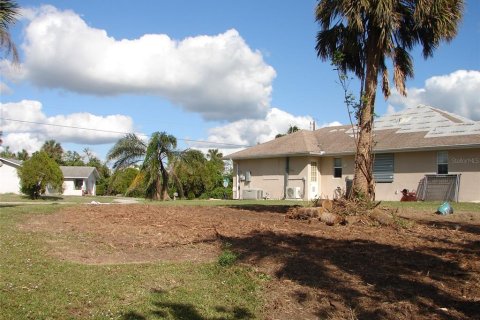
(10, 197)
(34, 285)
(431, 206)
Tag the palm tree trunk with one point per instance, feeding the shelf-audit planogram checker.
(363, 185)
(164, 188)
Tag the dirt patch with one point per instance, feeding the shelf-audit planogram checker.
(427, 267)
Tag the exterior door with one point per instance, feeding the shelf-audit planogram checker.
(313, 181)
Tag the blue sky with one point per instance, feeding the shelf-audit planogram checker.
(236, 72)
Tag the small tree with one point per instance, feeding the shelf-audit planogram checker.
(37, 173)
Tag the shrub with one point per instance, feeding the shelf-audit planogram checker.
(227, 258)
(39, 172)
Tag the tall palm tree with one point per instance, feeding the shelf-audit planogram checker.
(9, 10)
(54, 150)
(155, 155)
(366, 33)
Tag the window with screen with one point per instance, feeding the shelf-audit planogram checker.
(337, 167)
(442, 162)
(313, 173)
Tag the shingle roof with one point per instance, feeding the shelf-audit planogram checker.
(13, 161)
(78, 172)
(421, 127)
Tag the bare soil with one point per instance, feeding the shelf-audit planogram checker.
(426, 267)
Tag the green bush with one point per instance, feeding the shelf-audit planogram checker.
(37, 173)
(227, 258)
(220, 192)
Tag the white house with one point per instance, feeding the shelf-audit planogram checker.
(77, 180)
(9, 180)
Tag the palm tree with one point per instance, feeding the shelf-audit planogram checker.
(214, 155)
(156, 155)
(9, 10)
(366, 33)
(54, 150)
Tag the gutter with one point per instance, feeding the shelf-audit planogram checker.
(345, 153)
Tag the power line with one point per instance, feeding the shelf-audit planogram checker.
(120, 132)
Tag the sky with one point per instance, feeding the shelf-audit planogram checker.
(214, 73)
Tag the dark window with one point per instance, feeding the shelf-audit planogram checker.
(442, 162)
(383, 167)
(78, 184)
(337, 167)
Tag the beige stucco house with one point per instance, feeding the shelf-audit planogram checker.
(77, 180)
(422, 149)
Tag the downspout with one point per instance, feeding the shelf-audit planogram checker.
(237, 185)
(285, 179)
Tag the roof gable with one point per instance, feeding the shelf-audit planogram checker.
(78, 171)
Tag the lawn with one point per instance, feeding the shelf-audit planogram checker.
(35, 285)
(233, 260)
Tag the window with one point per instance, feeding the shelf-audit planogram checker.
(313, 172)
(442, 162)
(383, 167)
(78, 184)
(337, 167)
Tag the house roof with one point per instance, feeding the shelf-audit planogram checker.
(418, 128)
(67, 171)
(15, 162)
(78, 172)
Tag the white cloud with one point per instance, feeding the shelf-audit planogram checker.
(5, 89)
(220, 77)
(30, 136)
(457, 92)
(250, 132)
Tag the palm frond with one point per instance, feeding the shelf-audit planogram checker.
(127, 151)
(402, 68)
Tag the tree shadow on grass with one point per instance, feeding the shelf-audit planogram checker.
(365, 274)
(176, 310)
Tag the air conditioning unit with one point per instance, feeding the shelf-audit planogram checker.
(252, 194)
(293, 193)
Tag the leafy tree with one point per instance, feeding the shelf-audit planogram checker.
(191, 172)
(37, 173)
(368, 32)
(6, 153)
(122, 179)
(23, 155)
(9, 10)
(290, 130)
(160, 149)
(72, 158)
(54, 150)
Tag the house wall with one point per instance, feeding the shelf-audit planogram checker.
(88, 186)
(9, 180)
(411, 167)
(333, 187)
(466, 162)
(69, 188)
(269, 176)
